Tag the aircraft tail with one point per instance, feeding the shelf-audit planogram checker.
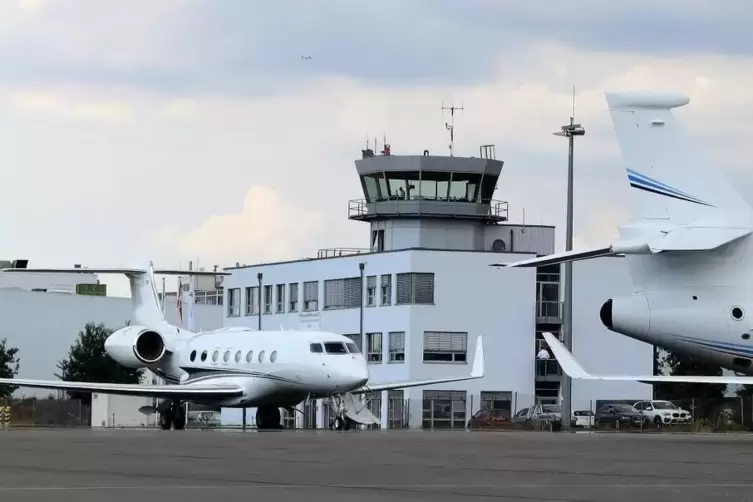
(672, 178)
(147, 310)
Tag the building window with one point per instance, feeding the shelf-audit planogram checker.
(293, 296)
(356, 338)
(268, 299)
(234, 302)
(280, 298)
(386, 284)
(371, 289)
(397, 346)
(310, 296)
(444, 409)
(548, 299)
(374, 347)
(342, 293)
(445, 347)
(415, 288)
(252, 300)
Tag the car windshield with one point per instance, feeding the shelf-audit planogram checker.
(625, 408)
(583, 413)
(551, 408)
(664, 405)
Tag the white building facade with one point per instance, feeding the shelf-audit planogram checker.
(419, 296)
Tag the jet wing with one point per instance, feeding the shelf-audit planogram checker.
(574, 370)
(477, 371)
(190, 391)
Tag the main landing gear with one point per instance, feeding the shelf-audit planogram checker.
(172, 414)
(268, 417)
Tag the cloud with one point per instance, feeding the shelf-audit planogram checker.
(137, 125)
(268, 227)
(57, 105)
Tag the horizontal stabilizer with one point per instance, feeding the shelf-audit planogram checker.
(693, 237)
(573, 369)
(697, 238)
(477, 371)
(124, 271)
(554, 258)
(189, 392)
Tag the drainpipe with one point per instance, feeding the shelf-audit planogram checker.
(259, 277)
(361, 267)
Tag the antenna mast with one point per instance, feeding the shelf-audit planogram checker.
(451, 126)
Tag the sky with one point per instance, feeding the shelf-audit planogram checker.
(179, 130)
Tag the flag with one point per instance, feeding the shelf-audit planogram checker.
(180, 299)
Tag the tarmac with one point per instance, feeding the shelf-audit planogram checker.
(367, 466)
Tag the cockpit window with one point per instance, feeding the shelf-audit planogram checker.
(352, 348)
(335, 348)
(316, 347)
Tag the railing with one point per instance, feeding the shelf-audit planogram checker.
(549, 309)
(333, 252)
(548, 367)
(490, 209)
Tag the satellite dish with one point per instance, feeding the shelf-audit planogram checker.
(499, 246)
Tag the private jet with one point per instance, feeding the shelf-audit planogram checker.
(689, 248)
(234, 367)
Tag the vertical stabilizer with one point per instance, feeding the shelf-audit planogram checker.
(146, 305)
(670, 177)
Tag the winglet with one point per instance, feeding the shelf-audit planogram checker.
(569, 364)
(478, 370)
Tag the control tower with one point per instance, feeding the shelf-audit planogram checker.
(429, 201)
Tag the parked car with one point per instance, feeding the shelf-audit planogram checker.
(539, 414)
(582, 418)
(619, 415)
(663, 412)
(489, 419)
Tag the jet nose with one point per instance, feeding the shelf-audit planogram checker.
(360, 372)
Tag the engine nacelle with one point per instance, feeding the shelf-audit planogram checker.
(663, 317)
(136, 346)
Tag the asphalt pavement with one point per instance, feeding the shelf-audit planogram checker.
(367, 466)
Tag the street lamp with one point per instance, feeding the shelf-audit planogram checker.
(569, 131)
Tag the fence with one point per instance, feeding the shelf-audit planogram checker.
(31, 412)
(450, 410)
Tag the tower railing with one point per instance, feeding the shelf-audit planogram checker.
(485, 209)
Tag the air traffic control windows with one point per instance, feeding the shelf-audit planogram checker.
(429, 185)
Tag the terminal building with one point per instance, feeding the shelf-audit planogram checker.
(418, 296)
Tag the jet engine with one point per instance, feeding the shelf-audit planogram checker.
(659, 317)
(136, 346)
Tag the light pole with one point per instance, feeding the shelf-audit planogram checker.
(569, 131)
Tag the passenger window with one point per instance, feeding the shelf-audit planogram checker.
(226, 356)
(193, 355)
(261, 356)
(215, 356)
(238, 356)
(250, 356)
(273, 356)
(316, 348)
(203, 356)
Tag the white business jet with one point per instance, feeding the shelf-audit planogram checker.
(689, 250)
(233, 367)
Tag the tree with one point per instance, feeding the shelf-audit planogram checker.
(707, 397)
(89, 362)
(9, 365)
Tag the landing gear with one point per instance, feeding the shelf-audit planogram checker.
(172, 414)
(341, 422)
(268, 417)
